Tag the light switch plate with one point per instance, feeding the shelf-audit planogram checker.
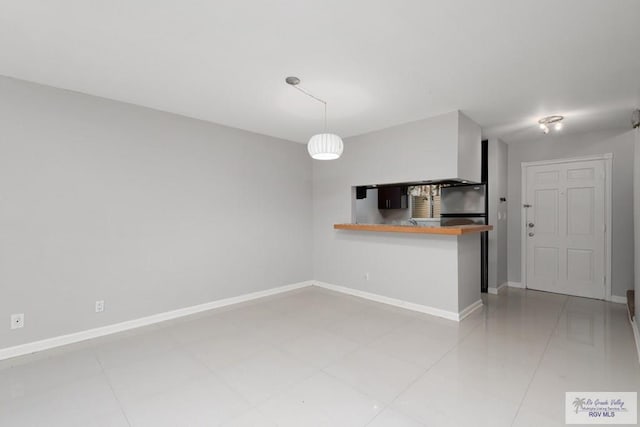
(99, 306)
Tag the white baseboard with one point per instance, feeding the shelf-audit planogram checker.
(49, 343)
(451, 315)
(612, 298)
(617, 299)
(496, 291)
(470, 309)
(46, 344)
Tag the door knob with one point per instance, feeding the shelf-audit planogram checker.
(531, 225)
(531, 234)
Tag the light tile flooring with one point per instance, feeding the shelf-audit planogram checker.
(316, 358)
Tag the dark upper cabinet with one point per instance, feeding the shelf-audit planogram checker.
(361, 193)
(392, 198)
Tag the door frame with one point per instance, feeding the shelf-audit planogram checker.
(608, 185)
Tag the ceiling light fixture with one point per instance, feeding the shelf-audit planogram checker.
(322, 146)
(546, 122)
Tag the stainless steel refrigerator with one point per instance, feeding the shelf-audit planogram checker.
(467, 204)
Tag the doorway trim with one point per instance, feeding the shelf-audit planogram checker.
(608, 186)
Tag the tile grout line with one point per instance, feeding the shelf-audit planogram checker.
(256, 406)
(106, 377)
(278, 344)
(271, 346)
(215, 374)
(322, 371)
(423, 374)
(546, 347)
(276, 347)
(360, 346)
(233, 389)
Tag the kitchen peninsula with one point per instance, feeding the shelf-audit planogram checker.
(452, 230)
(376, 254)
(458, 255)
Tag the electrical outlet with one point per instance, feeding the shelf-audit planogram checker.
(366, 276)
(99, 306)
(17, 321)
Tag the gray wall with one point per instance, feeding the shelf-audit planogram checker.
(636, 221)
(636, 216)
(409, 152)
(469, 149)
(147, 210)
(556, 146)
(469, 270)
(399, 266)
(497, 165)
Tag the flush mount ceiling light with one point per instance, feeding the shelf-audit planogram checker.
(322, 146)
(546, 123)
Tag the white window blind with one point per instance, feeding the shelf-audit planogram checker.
(425, 207)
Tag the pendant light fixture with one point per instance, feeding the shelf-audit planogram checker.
(322, 146)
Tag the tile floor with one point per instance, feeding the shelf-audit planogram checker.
(316, 358)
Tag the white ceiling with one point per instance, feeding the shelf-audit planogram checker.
(378, 63)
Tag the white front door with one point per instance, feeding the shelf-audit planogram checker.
(565, 228)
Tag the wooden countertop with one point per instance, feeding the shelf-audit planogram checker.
(453, 230)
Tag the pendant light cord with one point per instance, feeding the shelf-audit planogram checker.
(317, 99)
